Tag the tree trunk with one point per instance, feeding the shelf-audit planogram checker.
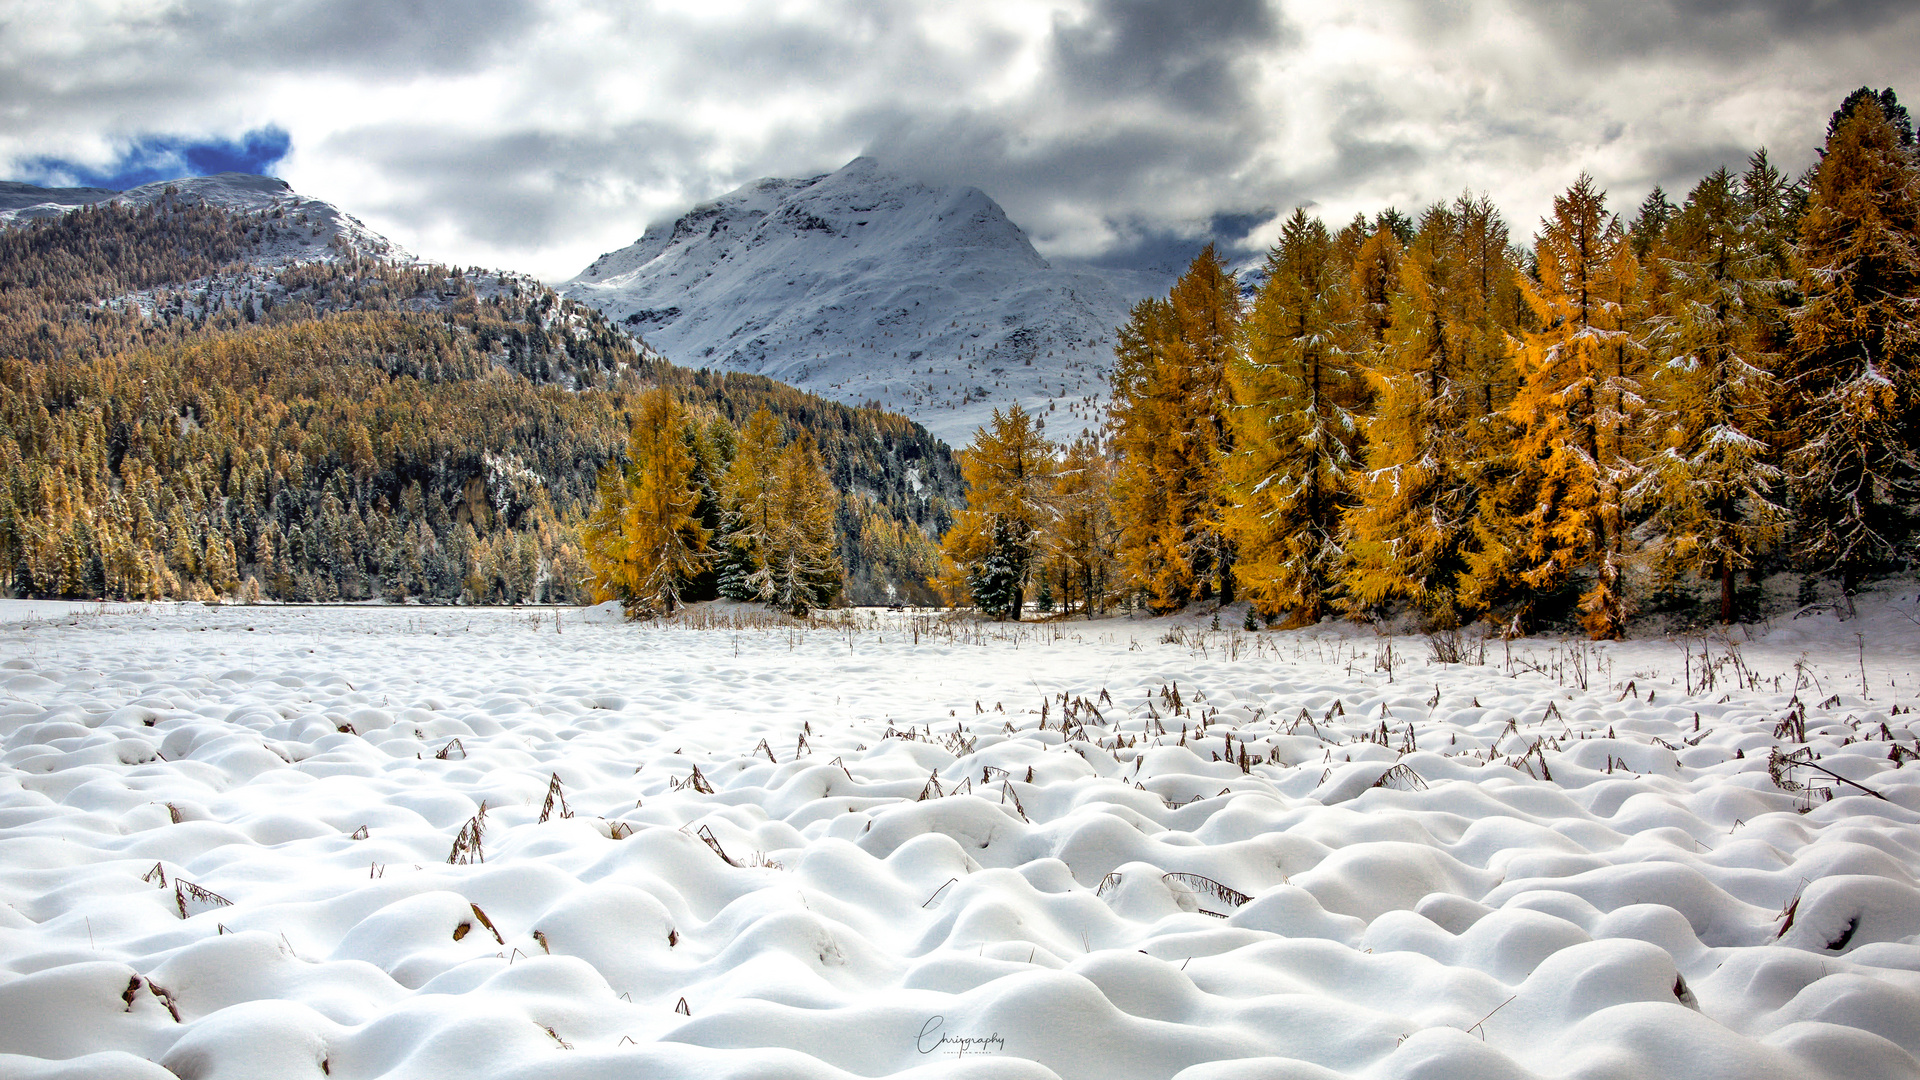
(1726, 592)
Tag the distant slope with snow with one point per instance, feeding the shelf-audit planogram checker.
(862, 285)
(17, 196)
(310, 228)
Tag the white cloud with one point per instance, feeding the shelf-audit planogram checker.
(538, 133)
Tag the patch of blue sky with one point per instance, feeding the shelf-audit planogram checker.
(164, 157)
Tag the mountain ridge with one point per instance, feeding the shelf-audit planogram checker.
(329, 231)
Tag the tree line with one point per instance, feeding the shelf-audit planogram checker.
(1415, 415)
(696, 512)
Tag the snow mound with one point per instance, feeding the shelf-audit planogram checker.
(420, 842)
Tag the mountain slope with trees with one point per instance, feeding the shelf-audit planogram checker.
(180, 418)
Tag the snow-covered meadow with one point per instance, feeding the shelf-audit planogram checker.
(911, 847)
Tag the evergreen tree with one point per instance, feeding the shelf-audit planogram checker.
(1171, 434)
(1710, 483)
(1853, 376)
(1650, 225)
(643, 542)
(1561, 511)
(996, 576)
(1010, 472)
(1774, 205)
(1295, 429)
(1894, 113)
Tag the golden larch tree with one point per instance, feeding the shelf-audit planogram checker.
(1171, 435)
(643, 541)
(1561, 513)
(1295, 430)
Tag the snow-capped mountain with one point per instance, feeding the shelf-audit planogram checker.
(863, 285)
(308, 228)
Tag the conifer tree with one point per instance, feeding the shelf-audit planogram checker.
(1010, 471)
(1171, 435)
(1854, 376)
(1710, 483)
(748, 528)
(1295, 430)
(1891, 110)
(1371, 286)
(800, 570)
(1426, 435)
(1146, 406)
(1650, 225)
(1493, 304)
(1561, 512)
(1774, 204)
(643, 541)
(1083, 532)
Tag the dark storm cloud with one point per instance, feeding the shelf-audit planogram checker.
(1047, 185)
(1183, 55)
(1677, 169)
(1139, 97)
(1153, 247)
(1363, 138)
(1717, 30)
(395, 38)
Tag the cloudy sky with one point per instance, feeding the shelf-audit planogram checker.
(536, 134)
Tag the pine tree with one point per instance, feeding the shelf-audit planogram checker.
(1710, 483)
(1561, 511)
(643, 542)
(1854, 377)
(1171, 434)
(1295, 429)
(1650, 225)
(1010, 471)
(996, 577)
(1890, 110)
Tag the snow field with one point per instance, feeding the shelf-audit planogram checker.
(905, 847)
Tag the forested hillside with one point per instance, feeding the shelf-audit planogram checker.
(175, 421)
